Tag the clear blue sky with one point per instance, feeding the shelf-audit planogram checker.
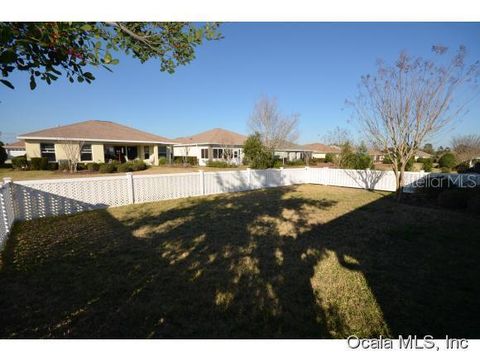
(310, 67)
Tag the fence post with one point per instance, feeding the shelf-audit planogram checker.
(202, 181)
(249, 178)
(4, 193)
(131, 196)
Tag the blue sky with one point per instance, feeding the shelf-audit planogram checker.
(310, 67)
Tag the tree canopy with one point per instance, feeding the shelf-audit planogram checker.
(47, 51)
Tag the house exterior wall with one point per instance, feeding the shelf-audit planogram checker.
(196, 151)
(32, 149)
(318, 155)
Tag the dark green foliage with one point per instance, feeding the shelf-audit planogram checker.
(107, 168)
(387, 160)
(427, 163)
(257, 156)
(330, 157)
(53, 166)
(138, 165)
(185, 160)
(44, 163)
(93, 167)
(20, 162)
(49, 50)
(409, 165)
(63, 165)
(162, 161)
(447, 161)
(3, 154)
(296, 162)
(125, 167)
(219, 164)
(35, 163)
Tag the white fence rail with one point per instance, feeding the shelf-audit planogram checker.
(28, 200)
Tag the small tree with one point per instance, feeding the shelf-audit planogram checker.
(403, 104)
(3, 154)
(447, 161)
(275, 129)
(256, 154)
(72, 150)
(466, 148)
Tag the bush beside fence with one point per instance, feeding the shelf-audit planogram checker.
(26, 200)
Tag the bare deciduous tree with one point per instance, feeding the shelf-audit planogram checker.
(72, 150)
(276, 129)
(338, 137)
(404, 104)
(466, 148)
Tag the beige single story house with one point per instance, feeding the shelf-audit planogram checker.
(97, 141)
(320, 151)
(377, 155)
(15, 149)
(422, 154)
(212, 145)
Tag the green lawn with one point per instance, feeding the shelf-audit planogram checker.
(305, 261)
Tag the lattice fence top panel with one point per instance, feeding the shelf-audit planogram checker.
(33, 199)
(167, 186)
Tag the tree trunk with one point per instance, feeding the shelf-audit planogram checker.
(400, 182)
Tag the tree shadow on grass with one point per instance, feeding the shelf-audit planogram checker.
(269, 263)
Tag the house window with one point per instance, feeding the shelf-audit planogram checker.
(146, 152)
(204, 153)
(217, 153)
(132, 153)
(86, 153)
(47, 150)
(235, 154)
(162, 151)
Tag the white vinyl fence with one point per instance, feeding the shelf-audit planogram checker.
(28, 200)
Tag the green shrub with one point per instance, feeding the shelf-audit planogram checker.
(387, 160)
(137, 165)
(296, 162)
(427, 164)
(278, 163)
(329, 158)
(257, 155)
(35, 163)
(107, 167)
(93, 167)
(447, 160)
(44, 163)
(162, 161)
(20, 162)
(125, 167)
(185, 160)
(63, 165)
(82, 166)
(53, 166)
(219, 164)
(454, 198)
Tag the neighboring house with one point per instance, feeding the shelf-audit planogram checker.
(100, 141)
(377, 155)
(422, 154)
(320, 151)
(291, 152)
(212, 145)
(15, 149)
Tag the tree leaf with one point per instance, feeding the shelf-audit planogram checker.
(33, 83)
(7, 83)
(86, 27)
(88, 76)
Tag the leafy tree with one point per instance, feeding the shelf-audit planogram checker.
(257, 155)
(3, 154)
(48, 51)
(447, 161)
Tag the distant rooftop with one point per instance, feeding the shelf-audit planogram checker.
(214, 136)
(96, 130)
